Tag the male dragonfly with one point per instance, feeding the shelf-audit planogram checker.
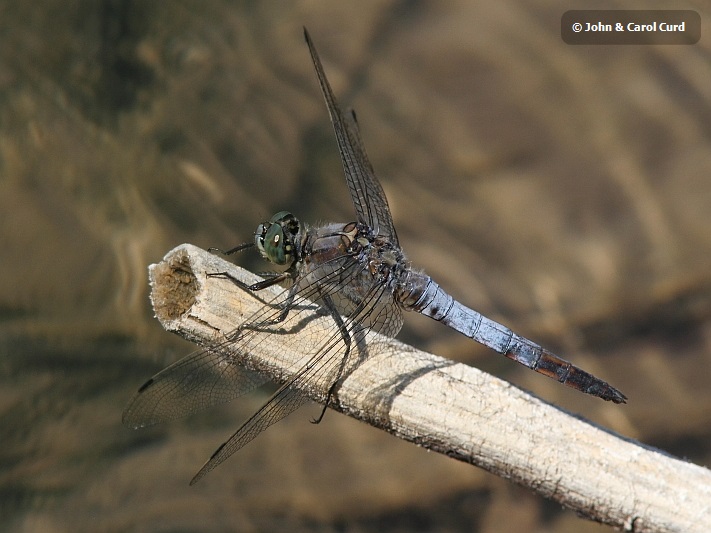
(360, 277)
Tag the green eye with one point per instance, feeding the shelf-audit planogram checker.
(275, 239)
(275, 245)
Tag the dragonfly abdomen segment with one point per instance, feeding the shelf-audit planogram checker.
(436, 303)
(422, 294)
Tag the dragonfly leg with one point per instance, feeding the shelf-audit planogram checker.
(272, 279)
(283, 307)
(231, 251)
(251, 289)
(347, 340)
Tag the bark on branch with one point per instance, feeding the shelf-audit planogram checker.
(457, 410)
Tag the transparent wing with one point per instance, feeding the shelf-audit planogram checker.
(366, 192)
(288, 401)
(200, 380)
(218, 374)
(340, 352)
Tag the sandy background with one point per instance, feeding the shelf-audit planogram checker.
(565, 191)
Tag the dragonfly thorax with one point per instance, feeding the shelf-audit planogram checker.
(278, 240)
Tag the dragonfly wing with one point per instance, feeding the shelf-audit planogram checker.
(320, 370)
(210, 376)
(285, 401)
(367, 194)
(198, 381)
(355, 292)
(331, 354)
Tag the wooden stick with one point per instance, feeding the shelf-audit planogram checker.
(456, 410)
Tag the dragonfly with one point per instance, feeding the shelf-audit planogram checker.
(358, 276)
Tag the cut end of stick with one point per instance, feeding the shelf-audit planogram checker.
(174, 286)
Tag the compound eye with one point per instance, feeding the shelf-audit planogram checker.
(275, 239)
(276, 248)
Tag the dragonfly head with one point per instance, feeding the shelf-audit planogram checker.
(277, 240)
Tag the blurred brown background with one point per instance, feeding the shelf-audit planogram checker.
(562, 190)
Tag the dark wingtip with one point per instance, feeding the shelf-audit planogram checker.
(307, 37)
(200, 473)
(145, 385)
(209, 465)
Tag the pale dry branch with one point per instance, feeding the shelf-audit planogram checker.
(457, 410)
